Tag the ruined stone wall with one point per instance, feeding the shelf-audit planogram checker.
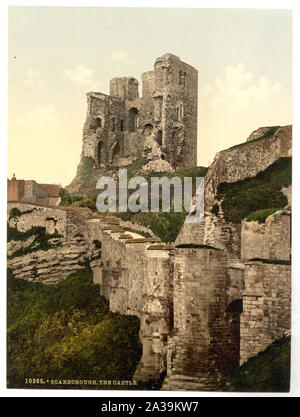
(68, 252)
(160, 126)
(246, 161)
(269, 240)
(202, 348)
(223, 235)
(266, 306)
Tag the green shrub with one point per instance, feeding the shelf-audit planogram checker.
(167, 225)
(65, 331)
(269, 371)
(241, 198)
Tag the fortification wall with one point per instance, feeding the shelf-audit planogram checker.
(269, 240)
(252, 157)
(202, 349)
(67, 252)
(266, 306)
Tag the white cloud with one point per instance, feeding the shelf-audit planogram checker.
(33, 78)
(122, 55)
(39, 117)
(82, 75)
(239, 88)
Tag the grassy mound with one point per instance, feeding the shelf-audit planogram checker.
(269, 371)
(65, 331)
(241, 198)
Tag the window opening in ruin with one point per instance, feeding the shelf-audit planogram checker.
(100, 153)
(133, 119)
(181, 112)
(98, 122)
(184, 79)
(177, 114)
(113, 128)
(159, 138)
(122, 125)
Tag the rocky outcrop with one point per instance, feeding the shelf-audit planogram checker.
(246, 161)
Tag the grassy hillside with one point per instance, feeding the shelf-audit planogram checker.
(269, 371)
(65, 331)
(241, 198)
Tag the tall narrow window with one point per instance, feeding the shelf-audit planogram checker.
(177, 114)
(133, 119)
(100, 153)
(122, 125)
(113, 124)
(181, 112)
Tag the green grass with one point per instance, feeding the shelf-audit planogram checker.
(65, 331)
(241, 198)
(269, 371)
(260, 216)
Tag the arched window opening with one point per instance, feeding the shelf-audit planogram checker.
(177, 114)
(122, 125)
(181, 112)
(133, 119)
(100, 153)
(235, 306)
(147, 130)
(184, 79)
(159, 138)
(98, 122)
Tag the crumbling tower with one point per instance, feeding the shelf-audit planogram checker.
(122, 127)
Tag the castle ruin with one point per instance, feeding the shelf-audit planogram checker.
(122, 126)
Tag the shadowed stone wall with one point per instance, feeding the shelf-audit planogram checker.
(266, 306)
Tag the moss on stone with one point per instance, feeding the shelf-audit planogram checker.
(40, 242)
(260, 216)
(241, 198)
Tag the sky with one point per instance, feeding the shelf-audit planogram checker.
(57, 54)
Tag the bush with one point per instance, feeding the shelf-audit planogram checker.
(65, 331)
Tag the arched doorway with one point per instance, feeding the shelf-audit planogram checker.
(133, 119)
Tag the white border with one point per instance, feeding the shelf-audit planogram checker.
(274, 4)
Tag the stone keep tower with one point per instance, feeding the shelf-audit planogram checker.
(122, 127)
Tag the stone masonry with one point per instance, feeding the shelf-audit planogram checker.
(160, 125)
(218, 296)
